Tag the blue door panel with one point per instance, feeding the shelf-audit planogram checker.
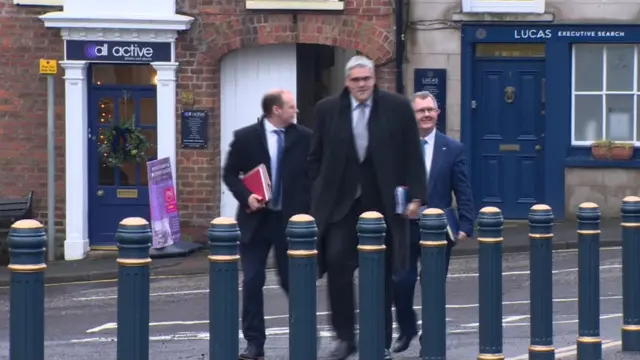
(109, 201)
(508, 127)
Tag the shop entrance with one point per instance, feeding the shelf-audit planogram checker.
(118, 95)
(508, 127)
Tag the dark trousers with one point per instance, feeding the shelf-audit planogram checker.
(405, 287)
(253, 256)
(342, 260)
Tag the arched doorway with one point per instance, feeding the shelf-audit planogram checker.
(310, 71)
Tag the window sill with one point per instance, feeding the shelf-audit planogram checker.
(39, 2)
(580, 157)
(589, 162)
(294, 5)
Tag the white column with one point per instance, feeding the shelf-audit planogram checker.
(166, 104)
(76, 244)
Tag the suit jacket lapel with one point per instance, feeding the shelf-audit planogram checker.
(436, 160)
(290, 136)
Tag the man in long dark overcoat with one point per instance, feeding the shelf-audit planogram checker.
(365, 144)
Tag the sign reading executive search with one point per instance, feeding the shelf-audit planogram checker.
(118, 51)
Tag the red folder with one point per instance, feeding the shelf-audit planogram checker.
(257, 182)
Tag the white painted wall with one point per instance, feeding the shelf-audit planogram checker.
(439, 47)
(245, 76)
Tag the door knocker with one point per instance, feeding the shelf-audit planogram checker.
(509, 94)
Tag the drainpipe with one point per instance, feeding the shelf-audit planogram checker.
(399, 46)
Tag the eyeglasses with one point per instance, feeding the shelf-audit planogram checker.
(361, 79)
(426, 111)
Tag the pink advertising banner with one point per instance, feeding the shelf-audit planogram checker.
(165, 220)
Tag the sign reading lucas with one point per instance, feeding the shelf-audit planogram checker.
(548, 33)
(118, 51)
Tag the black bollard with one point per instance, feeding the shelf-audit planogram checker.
(371, 233)
(589, 344)
(433, 242)
(27, 243)
(134, 241)
(303, 272)
(541, 283)
(224, 236)
(630, 210)
(490, 224)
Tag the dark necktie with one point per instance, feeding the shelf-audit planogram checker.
(423, 143)
(277, 181)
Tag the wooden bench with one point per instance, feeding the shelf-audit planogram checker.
(12, 210)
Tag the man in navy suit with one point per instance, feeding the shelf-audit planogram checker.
(447, 172)
(282, 146)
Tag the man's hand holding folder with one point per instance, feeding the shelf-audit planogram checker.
(258, 183)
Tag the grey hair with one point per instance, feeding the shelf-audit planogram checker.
(358, 61)
(422, 95)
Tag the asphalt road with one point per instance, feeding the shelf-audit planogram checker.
(80, 318)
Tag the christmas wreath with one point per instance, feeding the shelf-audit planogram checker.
(123, 143)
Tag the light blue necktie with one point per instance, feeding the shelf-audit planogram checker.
(423, 147)
(277, 181)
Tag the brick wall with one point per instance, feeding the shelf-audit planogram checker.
(220, 28)
(23, 106)
(224, 26)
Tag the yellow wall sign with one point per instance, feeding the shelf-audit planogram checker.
(48, 67)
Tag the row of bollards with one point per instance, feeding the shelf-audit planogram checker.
(27, 248)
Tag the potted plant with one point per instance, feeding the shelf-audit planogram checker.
(601, 149)
(621, 151)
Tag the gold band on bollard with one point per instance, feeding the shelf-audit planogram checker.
(630, 224)
(631, 327)
(589, 232)
(542, 348)
(541, 236)
(490, 240)
(21, 268)
(589, 339)
(302, 253)
(491, 357)
(371, 248)
(133, 262)
(425, 243)
(223, 258)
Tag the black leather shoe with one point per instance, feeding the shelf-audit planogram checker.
(343, 350)
(402, 343)
(252, 352)
(387, 355)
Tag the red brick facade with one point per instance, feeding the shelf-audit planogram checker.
(220, 27)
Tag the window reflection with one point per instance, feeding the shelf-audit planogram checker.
(152, 154)
(122, 74)
(148, 112)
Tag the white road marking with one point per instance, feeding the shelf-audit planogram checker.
(505, 321)
(565, 351)
(569, 351)
(113, 325)
(324, 331)
(271, 287)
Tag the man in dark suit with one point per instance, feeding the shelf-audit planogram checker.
(282, 146)
(446, 168)
(364, 146)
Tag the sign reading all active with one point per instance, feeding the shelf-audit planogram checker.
(118, 51)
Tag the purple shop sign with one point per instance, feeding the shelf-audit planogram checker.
(165, 220)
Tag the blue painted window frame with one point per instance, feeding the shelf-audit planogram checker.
(558, 62)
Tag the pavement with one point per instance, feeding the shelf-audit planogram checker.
(102, 265)
(81, 317)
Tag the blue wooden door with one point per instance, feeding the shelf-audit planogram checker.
(118, 193)
(508, 127)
